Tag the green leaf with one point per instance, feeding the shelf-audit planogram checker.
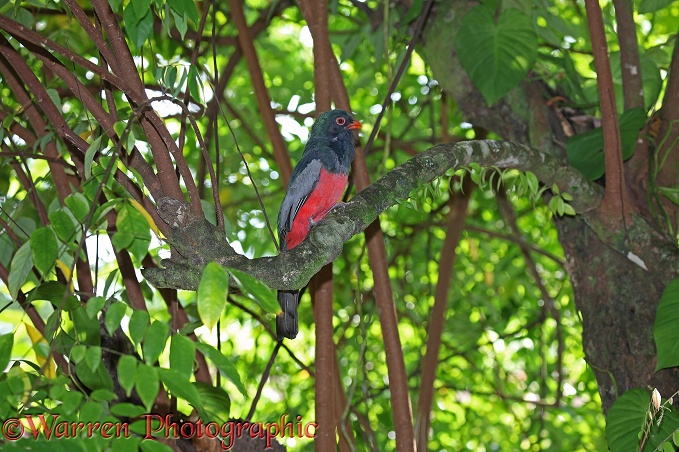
(21, 265)
(103, 395)
(651, 6)
(194, 83)
(256, 290)
(222, 363)
(93, 357)
(497, 56)
(98, 379)
(44, 249)
(6, 344)
(87, 331)
(626, 417)
(147, 385)
(114, 314)
(127, 373)
(78, 353)
(666, 328)
(127, 410)
(64, 224)
(180, 386)
(182, 355)
(141, 7)
(134, 232)
(138, 26)
(56, 293)
(586, 150)
(89, 155)
(185, 8)
(211, 294)
(94, 305)
(149, 445)
(215, 402)
(672, 193)
(182, 26)
(78, 205)
(139, 322)
(154, 342)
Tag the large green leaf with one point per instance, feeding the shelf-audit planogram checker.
(147, 384)
(222, 363)
(256, 290)
(215, 401)
(22, 262)
(586, 150)
(666, 328)
(114, 314)
(64, 224)
(626, 418)
(212, 291)
(139, 323)
(180, 387)
(56, 293)
(154, 342)
(497, 55)
(182, 354)
(44, 249)
(127, 372)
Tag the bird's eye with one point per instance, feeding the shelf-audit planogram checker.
(340, 121)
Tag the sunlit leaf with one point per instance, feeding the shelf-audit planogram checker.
(211, 296)
(222, 363)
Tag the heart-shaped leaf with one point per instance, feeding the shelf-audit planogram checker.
(497, 55)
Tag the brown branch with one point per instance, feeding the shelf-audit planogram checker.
(135, 159)
(322, 294)
(158, 136)
(263, 99)
(94, 34)
(456, 219)
(630, 64)
(615, 205)
(24, 35)
(15, 71)
(327, 382)
(377, 256)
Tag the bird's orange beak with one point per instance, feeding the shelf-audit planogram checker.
(355, 125)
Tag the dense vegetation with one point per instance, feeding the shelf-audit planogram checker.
(504, 298)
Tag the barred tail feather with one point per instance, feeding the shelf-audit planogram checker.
(286, 322)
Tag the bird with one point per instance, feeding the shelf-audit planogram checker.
(316, 185)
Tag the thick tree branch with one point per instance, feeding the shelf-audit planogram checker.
(198, 242)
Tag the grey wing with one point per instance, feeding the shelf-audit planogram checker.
(301, 185)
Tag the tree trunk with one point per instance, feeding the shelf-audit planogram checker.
(616, 297)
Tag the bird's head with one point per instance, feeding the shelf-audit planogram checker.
(335, 124)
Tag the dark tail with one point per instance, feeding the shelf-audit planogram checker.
(286, 323)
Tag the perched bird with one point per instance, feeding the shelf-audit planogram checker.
(316, 185)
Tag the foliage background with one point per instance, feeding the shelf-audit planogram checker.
(511, 372)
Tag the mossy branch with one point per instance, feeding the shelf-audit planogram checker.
(196, 242)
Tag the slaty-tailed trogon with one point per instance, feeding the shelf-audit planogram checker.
(316, 185)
